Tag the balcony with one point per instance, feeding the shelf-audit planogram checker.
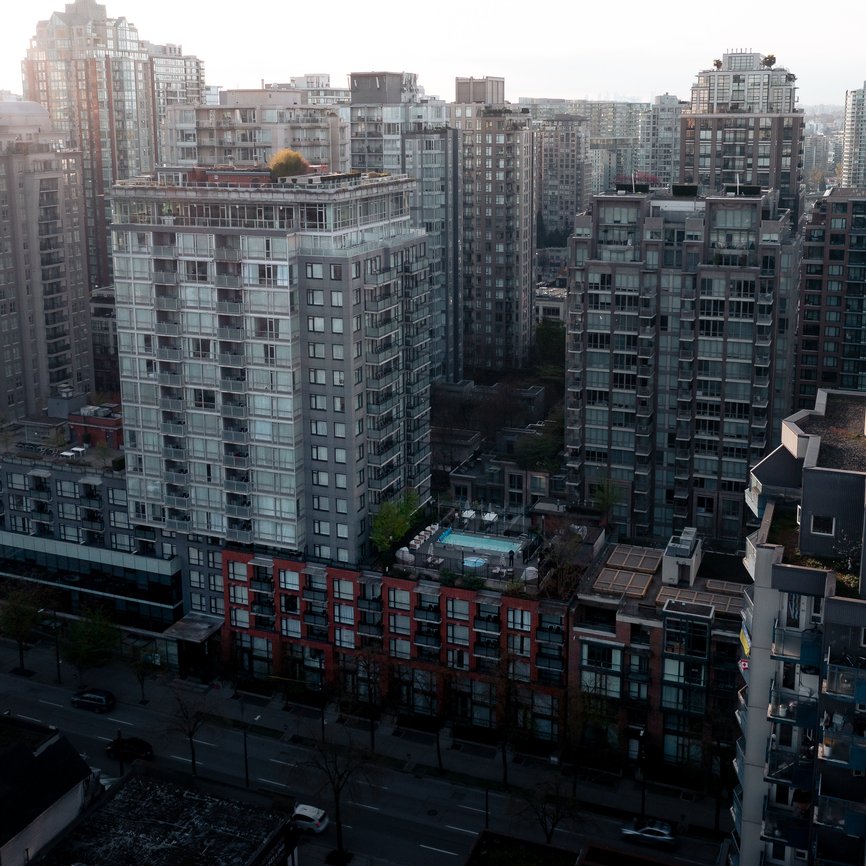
(795, 710)
(550, 635)
(371, 604)
(790, 826)
(429, 639)
(550, 663)
(790, 768)
(845, 816)
(740, 758)
(487, 649)
(846, 748)
(243, 536)
(428, 613)
(316, 619)
(488, 625)
(845, 681)
(793, 645)
(310, 593)
(737, 809)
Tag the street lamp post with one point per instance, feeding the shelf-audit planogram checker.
(245, 728)
(55, 627)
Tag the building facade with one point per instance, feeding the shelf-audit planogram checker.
(854, 139)
(830, 338)
(802, 709)
(274, 356)
(44, 312)
(564, 171)
(395, 128)
(679, 353)
(743, 127)
(105, 91)
(499, 225)
(249, 126)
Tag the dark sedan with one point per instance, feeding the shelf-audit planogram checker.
(129, 749)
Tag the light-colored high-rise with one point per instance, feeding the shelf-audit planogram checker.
(264, 336)
(854, 139)
(395, 128)
(44, 314)
(247, 127)
(105, 90)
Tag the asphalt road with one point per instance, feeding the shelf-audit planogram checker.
(404, 819)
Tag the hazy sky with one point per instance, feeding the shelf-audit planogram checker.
(598, 50)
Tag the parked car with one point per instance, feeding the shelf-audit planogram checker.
(97, 700)
(309, 818)
(129, 749)
(656, 833)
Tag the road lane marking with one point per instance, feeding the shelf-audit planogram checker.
(438, 850)
(198, 763)
(29, 718)
(284, 763)
(107, 739)
(204, 743)
(51, 703)
(365, 806)
(470, 808)
(120, 721)
(272, 782)
(461, 830)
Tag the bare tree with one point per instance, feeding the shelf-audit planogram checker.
(340, 766)
(550, 802)
(192, 709)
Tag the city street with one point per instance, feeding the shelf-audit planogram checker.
(395, 814)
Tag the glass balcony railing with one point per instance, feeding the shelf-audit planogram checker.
(843, 815)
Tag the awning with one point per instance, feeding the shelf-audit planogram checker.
(194, 628)
(92, 480)
(39, 473)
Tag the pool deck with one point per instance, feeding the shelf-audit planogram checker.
(429, 555)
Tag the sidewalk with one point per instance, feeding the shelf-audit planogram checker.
(469, 764)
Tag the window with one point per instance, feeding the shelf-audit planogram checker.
(339, 404)
(319, 452)
(318, 402)
(457, 608)
(336, 298)
(343, 589)
(338, 352)
(336, 272)
(316, 350)
(399, 599)
(339, 378)
(315, 270)
(320, 478)
(321, 503)
(339, 455)
(317, 376)
(823, 525)
(321, 527)
(316, 324)
(319, 428)
(458, 634)
(345, 614)
(316, 297)
(519, 619)
(336, 325)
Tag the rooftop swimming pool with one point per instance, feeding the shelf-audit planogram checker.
(478, 543)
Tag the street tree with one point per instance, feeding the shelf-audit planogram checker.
(91, 642)
(19, 615)
(191, 713)
(340, 766)
(287, 163)
(550, 802)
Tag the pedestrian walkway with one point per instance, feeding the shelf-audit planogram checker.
(397, 747)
